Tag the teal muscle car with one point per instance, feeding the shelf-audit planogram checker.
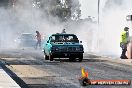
(63, 46)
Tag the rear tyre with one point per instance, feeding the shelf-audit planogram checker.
(46, 57)
(51, 58)
(80, 58)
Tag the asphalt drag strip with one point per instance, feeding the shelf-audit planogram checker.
(39, 73)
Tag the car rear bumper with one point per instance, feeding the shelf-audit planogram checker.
(67, 54)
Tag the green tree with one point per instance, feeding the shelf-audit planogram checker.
(68, 9)
(62, 9)
(74, 5)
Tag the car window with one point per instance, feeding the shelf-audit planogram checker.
(27, 36)
(64, 38)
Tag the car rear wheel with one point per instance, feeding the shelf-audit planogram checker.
(51, 58)
(46, 57)
(80, 58)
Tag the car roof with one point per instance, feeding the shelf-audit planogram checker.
(27, 34)
(61, 34)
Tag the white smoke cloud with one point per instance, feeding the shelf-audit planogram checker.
(112, 23)
(106, 39)
(24, 18)
(89, 8)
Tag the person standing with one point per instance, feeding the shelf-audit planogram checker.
(63, 31)
(38, 37)
(124, 41)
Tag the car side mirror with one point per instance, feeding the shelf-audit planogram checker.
(80, 41)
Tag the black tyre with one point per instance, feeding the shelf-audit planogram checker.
(80, 58)
(46, 57)
(51, 58)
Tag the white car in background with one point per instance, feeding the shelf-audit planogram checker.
(26, 40)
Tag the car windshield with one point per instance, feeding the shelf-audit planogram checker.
(27, 36)
(64, 38)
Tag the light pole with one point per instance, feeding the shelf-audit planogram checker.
(97, 32)
(98, 11)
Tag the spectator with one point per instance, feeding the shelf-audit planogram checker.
(38, 37)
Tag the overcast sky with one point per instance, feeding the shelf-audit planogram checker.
(90, 7)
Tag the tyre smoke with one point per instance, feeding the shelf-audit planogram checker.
(24, 17)
(106, 38)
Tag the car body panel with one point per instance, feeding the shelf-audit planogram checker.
(60, 49)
